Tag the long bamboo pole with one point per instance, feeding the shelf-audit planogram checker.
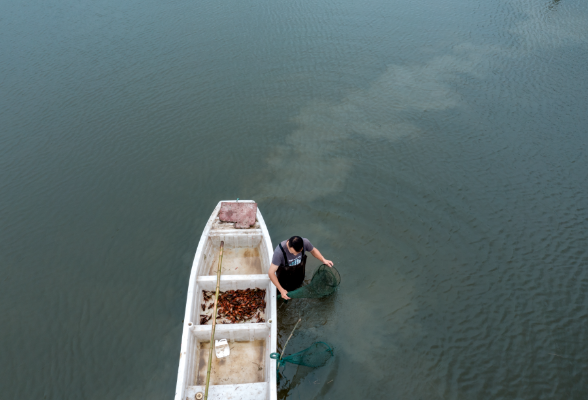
(218, 274)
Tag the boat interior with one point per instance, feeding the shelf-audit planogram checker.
(241, 255)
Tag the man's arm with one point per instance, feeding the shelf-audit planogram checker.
(317, 254)
(274, 279)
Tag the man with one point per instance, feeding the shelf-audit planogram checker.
(289, 264)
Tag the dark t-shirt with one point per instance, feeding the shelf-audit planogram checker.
(278, 258)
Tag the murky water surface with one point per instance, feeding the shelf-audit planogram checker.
(435, 151)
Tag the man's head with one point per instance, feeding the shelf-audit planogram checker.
(296, 243)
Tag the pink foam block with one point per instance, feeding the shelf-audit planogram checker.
(242, 214)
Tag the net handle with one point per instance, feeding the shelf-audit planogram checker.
(284, 349)
(278, 356)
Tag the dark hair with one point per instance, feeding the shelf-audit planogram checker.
(296, 243)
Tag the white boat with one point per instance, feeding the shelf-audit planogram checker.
(248, 373)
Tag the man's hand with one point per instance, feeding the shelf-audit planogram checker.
(284, 294)
(328, 262)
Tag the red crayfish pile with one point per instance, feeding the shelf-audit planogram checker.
(236, 306)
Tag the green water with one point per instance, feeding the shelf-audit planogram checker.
(435, 151)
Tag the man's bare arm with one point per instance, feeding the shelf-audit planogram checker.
(274, 279)
(317, 254)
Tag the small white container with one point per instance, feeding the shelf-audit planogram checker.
(221, 348)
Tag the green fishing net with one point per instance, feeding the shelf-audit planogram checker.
(315, 356)
(323, 283)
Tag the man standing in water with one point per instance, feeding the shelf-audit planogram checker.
(289, 264)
